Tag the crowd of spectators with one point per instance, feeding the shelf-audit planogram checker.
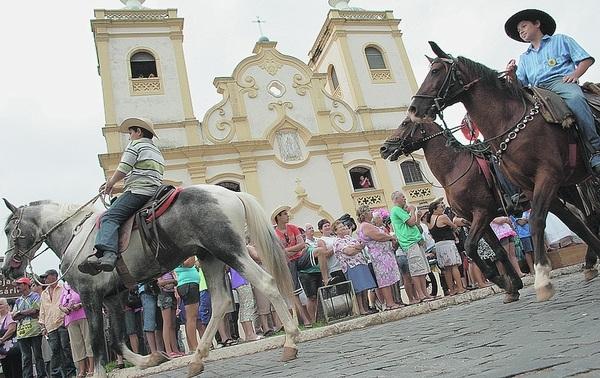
(47, 331)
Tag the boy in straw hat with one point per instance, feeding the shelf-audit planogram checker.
(554, 62)
(142, 167)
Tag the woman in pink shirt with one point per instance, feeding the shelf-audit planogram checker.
(79, 334)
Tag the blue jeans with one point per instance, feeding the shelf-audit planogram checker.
(149, 311)
(31, 349)
(107, 239)
(61, 364)
(573, 96)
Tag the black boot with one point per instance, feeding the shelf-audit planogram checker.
(107, 262)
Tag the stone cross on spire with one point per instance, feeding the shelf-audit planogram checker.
(259, 22)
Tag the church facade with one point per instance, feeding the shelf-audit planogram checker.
(294, 133)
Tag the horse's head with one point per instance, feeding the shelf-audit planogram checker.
(441, 88)
(408, 137)
(24, 238)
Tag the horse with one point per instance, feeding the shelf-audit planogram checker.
(206, 221)
(466, 190)
(532, 153)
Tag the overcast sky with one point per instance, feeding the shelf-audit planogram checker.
(51, 110)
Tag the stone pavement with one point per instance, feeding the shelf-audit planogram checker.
(476, 338)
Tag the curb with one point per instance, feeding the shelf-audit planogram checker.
(335, 329)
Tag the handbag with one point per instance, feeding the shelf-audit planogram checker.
(6, 346)
(133, 300)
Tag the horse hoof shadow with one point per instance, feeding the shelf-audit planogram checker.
(289, 354)
(589, 274)
(195, 368)
(544, 293)
(511, 297)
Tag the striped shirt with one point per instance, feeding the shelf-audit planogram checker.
(143, 165)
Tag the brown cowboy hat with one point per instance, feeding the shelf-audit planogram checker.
(140, 122)
(547, 23)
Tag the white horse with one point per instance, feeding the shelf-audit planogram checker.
(206, 221)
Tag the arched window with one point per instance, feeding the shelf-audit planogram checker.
(411, 172)
(333, 77)
(361, 178)
(375, 58)
(231, 185)
(143, 65)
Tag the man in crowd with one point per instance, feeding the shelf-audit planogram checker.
(29, 333)
(52, 323)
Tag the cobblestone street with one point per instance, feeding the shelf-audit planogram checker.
(482, 338)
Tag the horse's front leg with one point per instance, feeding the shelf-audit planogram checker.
(513, 282)
(92, 303)
(543, 195)
(480, 220)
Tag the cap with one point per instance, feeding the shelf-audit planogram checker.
(50, 272)
(23, 280)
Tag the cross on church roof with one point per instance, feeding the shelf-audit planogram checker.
(259, 22)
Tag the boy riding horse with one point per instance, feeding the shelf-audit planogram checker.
(554, 62)
(142, 167)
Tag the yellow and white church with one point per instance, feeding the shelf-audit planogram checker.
(295, 133)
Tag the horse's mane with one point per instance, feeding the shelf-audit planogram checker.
(489, 76)
(63, 210)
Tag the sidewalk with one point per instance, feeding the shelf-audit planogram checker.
(337, 328)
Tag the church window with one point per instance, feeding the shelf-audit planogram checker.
(361, 178)
(143, 65)
(375, 58)
(276, 88)
(411, 172)
(333, 77)
(231, 185)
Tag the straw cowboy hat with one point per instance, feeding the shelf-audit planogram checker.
(547, 23)
(278, 211)
(143, 123)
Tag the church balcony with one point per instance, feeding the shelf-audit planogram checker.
(136, 15)
(371, 197)
(381, 76)
(419, 194)
(145, 86)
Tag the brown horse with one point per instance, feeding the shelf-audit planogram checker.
(533, 154)
(466, 190)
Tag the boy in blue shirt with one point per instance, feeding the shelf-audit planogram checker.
(554, 62)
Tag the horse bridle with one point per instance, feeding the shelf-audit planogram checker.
(407, 148)
(452, 87)
(17, 233)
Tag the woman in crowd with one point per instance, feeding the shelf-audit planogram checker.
(79, 333)
(167, 303)
(10, 354)
(247, 312)
(348, 251)
(448, 258)
(382, 255)
(187, 277)
(504, 231)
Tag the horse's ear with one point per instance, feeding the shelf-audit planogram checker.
(429, 59)
(10, 206)
(438, 51)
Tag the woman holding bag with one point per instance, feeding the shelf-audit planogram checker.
(10, 354)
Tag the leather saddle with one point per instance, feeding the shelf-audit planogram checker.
(555, 110)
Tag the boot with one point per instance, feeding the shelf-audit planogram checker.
(107, 262)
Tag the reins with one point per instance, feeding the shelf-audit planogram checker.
(17, 233)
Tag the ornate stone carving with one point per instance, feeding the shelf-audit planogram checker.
(362, 15)
(249, 86)
(289, 145)
(301, 83)
(145, 86)
(137, 15)
(341, 115)
(381, 75)
(270, 65)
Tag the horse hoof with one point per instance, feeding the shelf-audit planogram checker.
(195, 368)
(544, 293)
(289, 354)
(589, 274)
(511, 297)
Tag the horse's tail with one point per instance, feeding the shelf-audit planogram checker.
(267, 243)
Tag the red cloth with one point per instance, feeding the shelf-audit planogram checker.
(469, 128)
(289, 239)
